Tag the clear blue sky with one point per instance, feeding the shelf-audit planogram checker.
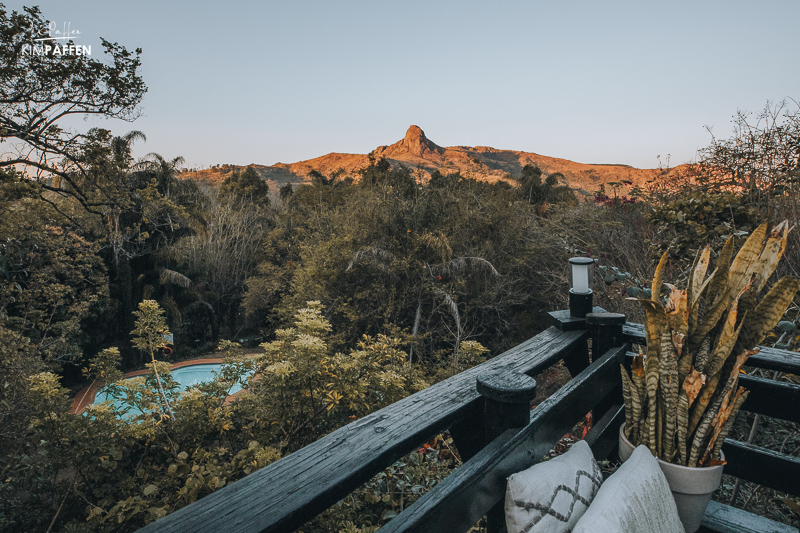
(593, 82)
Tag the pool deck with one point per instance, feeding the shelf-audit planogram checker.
(86, 395)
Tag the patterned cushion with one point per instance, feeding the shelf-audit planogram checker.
(635, 498)
(551, 496)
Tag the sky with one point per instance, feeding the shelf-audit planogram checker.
(244, 82)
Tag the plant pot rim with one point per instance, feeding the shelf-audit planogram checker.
(672, 465)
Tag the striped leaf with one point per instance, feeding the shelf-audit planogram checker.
(689, 391)
(767, 313)
(771, 255)
(640, 391)
(658, 277)
(668, 387)
(741, 396)
(727, 405)
(698, 275)
(702, 354)
(682, 419)
(701, 403)
(726, 338)
(719, 279)
(655, 323)
(710, 320)
(629, 399)
(700, 436)
(651, 366)
(744, 263)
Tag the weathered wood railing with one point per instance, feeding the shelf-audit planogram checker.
(284, 495)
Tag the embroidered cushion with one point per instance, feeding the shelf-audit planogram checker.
(635, 498)
(551, 496)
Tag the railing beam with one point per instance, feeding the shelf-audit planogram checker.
(282, 496)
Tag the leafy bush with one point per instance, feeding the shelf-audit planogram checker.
(697, 217)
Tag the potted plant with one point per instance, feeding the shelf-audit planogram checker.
(682, 395)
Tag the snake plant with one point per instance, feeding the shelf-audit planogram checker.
(682, 395)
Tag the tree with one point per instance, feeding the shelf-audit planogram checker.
(246, 185)
(38, 92)
(286, 192)
(762, 157)
(532, 190)
(223, 252)
(146, 213)
(150, 334)
(51, 285)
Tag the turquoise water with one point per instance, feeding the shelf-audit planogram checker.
(187, 377)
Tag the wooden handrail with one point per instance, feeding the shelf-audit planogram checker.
(458, 502)
(282, 496)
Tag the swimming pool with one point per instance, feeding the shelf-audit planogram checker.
(186, 376)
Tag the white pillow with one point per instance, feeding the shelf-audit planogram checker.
(551, 496)
(635, 498)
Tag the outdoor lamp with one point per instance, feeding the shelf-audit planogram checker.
(580, 293)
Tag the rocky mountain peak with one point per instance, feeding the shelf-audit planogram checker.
(416, 143)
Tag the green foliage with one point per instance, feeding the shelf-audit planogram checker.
(286, 192)
(16, 365)
(446, 261)
(534, 191)
(52, 285)
(696, 217)
(223, 251)
(151, 328)
(149, 334)
(147, 212)
(380, 173)
(305, 390)
(246, 185)
(124, 464)
(112, 471)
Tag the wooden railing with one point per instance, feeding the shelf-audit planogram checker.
(282, 496)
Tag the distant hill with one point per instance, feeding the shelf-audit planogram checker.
(423, 156)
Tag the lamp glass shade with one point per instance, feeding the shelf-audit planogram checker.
(582, 275)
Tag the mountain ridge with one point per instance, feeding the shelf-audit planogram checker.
(423, 157)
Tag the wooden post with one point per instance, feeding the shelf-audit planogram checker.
(507, 404)
(578, 359)
(606, 333)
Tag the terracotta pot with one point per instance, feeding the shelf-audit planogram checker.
(691, 487)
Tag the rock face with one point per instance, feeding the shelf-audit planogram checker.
(414, 149)
(417, 144)
(423, 156)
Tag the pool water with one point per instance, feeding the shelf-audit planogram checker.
(187, 377)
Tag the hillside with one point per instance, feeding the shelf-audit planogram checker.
(423, 156)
